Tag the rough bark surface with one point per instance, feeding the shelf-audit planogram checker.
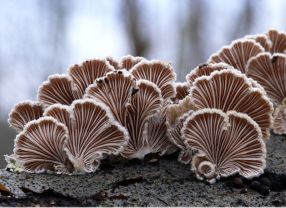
(135, 183)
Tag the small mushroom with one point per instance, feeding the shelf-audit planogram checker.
(64, 89)
(227, 143)
(229, 89)
(160, 73)
(40, 146)
(86, 73)
(93, 132)
(270, 72)
(128, 62)
(24, 112)
(238, 53)
(205, 70)
(58, 89)
(279, 123)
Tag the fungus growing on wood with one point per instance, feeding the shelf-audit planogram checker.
(227, 143)
(163, 76)
(270, 72)
(229, 89)
(24, 112)
(92, 132)
(132, 103)
(40, 146)
(205, 70)
(279, 123)
(64, 89)
(238, 53)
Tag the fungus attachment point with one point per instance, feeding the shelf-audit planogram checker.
(270, 72)
(229, 89)
(238, 53)
(227, 143)
(24, 112)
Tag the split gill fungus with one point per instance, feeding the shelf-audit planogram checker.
(218, 119)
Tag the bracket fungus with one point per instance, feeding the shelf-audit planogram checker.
(279, 123)
(70, 138)
(227, 143)
(182, 90)
(229, 89)
(24, 112)
(238, 53)
(270, 72)
(132, 103)
(64, 89)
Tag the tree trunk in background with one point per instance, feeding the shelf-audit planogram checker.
(244, 23)
(132, 20)
(190, 49)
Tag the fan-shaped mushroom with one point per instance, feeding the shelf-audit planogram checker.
(133, 104)
(24, 112)
(228, 143)
(64, 89)
(229, 89)
(279, 123)
(40, 146)
(269, 71)
(92, 132)
(238, 53)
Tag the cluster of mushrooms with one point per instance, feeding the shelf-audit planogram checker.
(219, 118)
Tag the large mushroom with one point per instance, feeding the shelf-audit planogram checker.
(229, 89)
(70, 138)
(132, 103)
(227, 143)
(238, 53)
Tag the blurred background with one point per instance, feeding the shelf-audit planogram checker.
(39, 38)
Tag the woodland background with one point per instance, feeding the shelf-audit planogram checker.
(40, 38)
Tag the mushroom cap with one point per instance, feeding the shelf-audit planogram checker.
(93, 132)
(278, 41)
(238, 53)
(64, 89)
(279, 123)
(229, 89)
(205, 70)
(114, 90)
(128, 62)
(40, 146)
(158, 72)
(57, 89)
(228, 143)
(24, 112)
(86, 73)
(270, 72)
